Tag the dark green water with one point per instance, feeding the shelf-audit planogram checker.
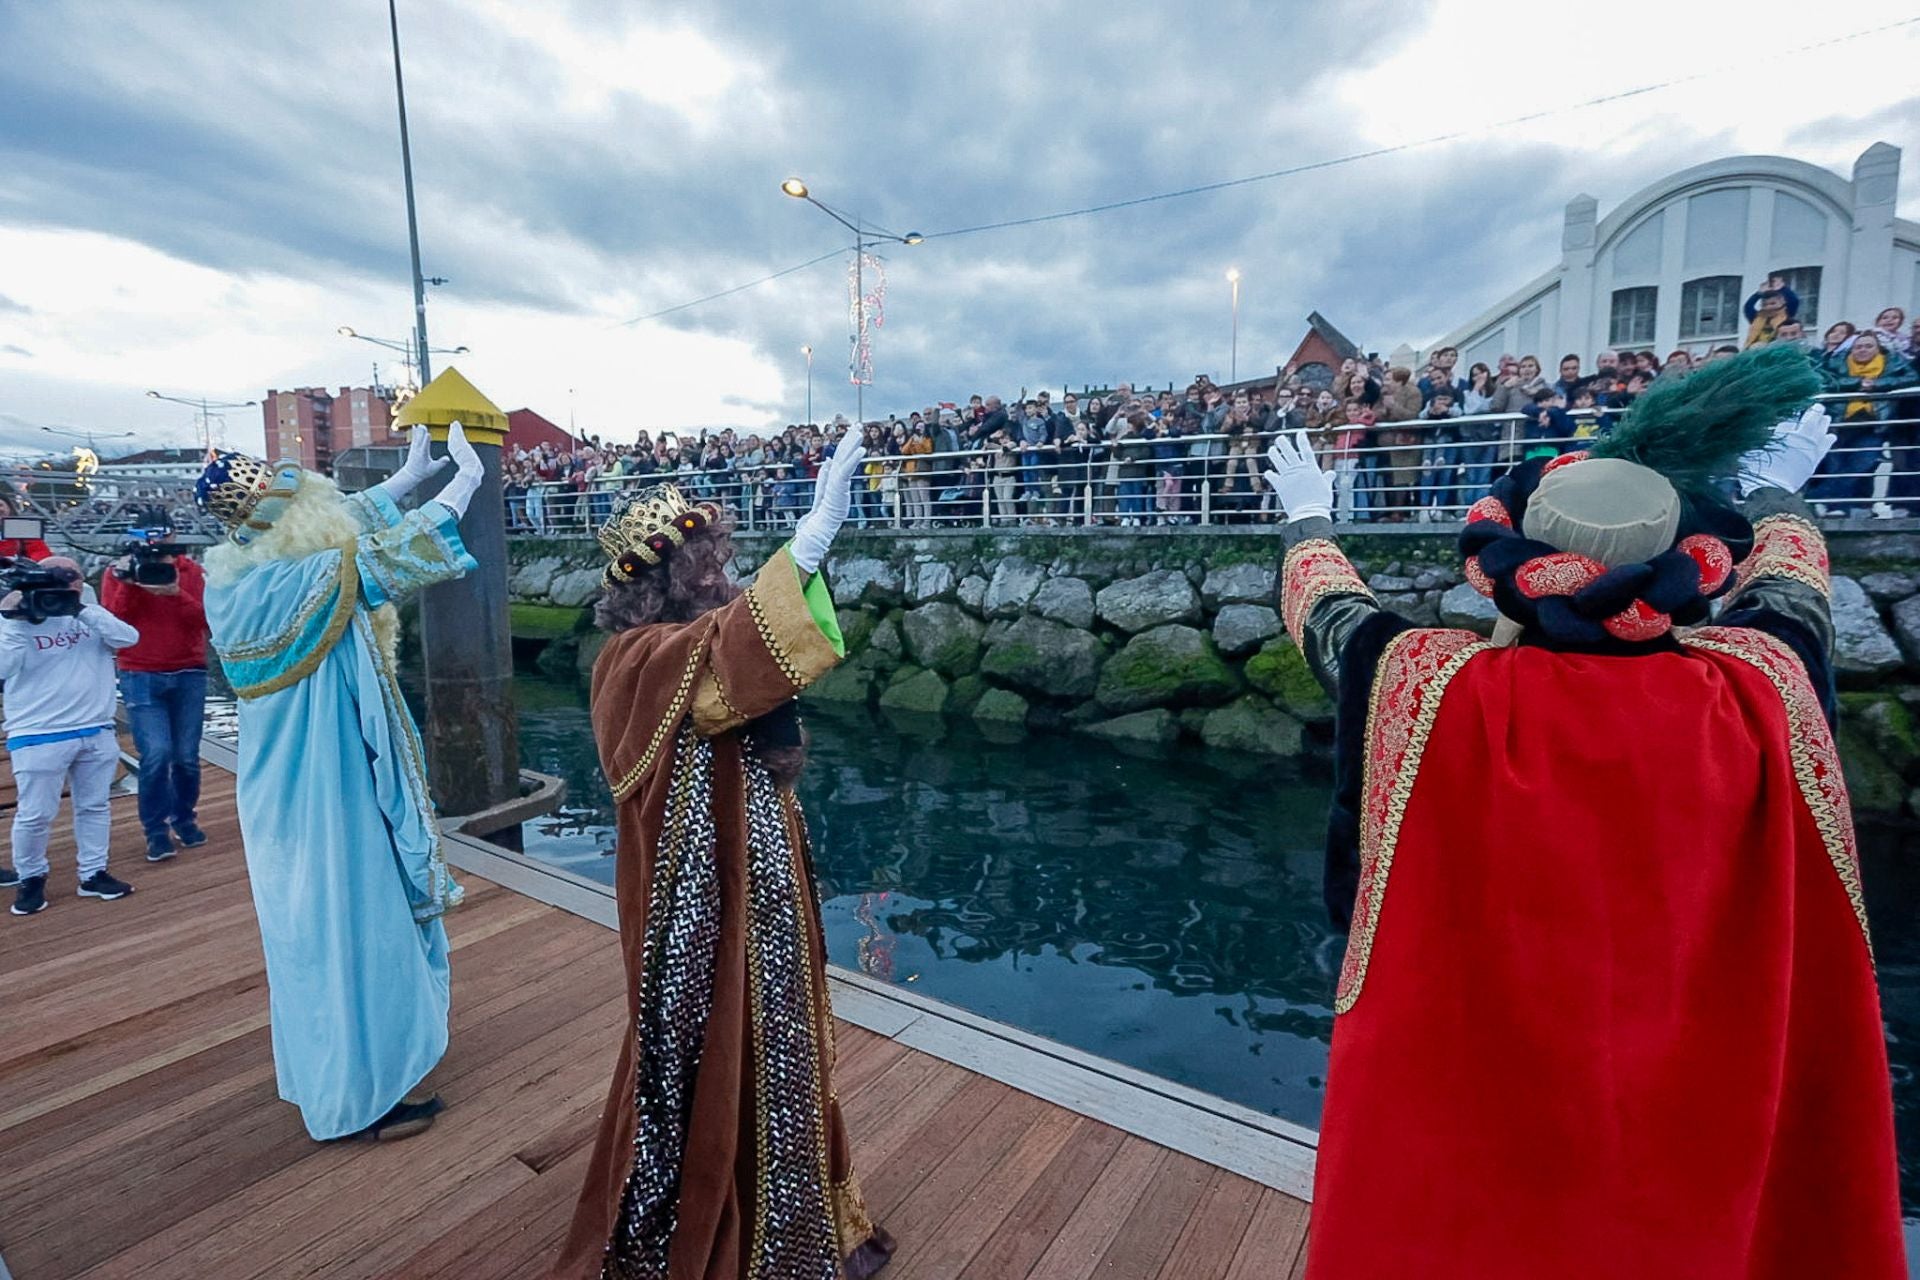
(1160, 910)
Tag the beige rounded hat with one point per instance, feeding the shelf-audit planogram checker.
(1606, 509)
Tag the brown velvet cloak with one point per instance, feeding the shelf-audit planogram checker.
(721, 1151)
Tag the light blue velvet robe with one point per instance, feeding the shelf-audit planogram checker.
(342, 851)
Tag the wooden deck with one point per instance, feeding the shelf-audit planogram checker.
(141, 1136)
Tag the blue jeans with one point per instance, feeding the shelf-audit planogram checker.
(1846, 474)
(166, 710)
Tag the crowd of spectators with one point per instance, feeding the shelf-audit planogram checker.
(1403, 443)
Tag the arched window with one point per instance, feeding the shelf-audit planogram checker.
(1316, 375)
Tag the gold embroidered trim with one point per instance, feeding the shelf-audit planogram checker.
(726, 703)
(287, 634)
(400, 723)
(1312, 571)
(1413, 675)
(345, 601)
(1787, 546)
(853, 1225)
(624, 785)
(1810, 746)
(816, 996)
(755, 986)
(768, 638)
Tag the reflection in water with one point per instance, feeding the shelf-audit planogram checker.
(1131, 907)
(1160, 910)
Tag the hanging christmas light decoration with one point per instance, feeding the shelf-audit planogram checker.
(868, 312)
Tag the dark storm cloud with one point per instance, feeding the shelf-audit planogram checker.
(259, 137)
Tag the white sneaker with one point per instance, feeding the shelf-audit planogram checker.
(1882, 511)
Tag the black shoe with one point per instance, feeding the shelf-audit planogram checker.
(159, 847)
(8, 876)
(189, 835)
(105, 887)
(31, 897)
(405, 1120)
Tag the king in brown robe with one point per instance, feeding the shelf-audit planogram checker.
(721, 1151)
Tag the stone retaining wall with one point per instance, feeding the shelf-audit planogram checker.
(1155, 636)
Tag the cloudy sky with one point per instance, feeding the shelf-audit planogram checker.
(194, 195)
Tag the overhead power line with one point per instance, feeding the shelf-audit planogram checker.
(1417, 143)
(1311, 166)
(738, 288)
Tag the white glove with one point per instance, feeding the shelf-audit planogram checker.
(1303, 488)
(1790, 460)
(459, 491)
(831, 497)
(420, 466)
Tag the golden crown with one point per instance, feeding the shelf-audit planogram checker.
(648, 527)
(244, 493)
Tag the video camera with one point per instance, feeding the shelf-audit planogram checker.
(44, 593)
(147, 551)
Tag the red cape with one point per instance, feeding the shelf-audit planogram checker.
(1617, 1016)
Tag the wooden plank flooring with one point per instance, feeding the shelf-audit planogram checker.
(141, 1135)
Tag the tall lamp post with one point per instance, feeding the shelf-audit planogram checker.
(413, 224)
(861, 239)
(807, 351)
(207, 409)
(472, 732)
(1233, 367)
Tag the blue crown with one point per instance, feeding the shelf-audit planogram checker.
(244, 493)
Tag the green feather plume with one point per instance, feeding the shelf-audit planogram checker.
(1694, 429)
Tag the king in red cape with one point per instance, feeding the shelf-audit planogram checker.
(1608, 1004)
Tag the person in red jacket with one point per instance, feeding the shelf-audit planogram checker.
(15, 548)
(163, 681)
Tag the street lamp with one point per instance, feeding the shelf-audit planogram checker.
(405, 348)
(861, 239)
(1233, 371)
(206, 408)
(90, 436)
(807, 351)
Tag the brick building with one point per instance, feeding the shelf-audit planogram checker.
(314, 424)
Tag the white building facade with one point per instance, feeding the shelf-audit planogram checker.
(1671, 267)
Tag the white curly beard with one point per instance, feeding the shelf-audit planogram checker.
(315, 520)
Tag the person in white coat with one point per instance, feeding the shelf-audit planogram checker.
(59, 681)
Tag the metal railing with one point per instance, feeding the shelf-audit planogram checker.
(1415, 471)
(1390, 473)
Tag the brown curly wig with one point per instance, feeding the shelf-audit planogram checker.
(689, 582)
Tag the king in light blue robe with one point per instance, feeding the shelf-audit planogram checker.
(348, 875)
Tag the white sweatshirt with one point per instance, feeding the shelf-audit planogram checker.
(59, 673)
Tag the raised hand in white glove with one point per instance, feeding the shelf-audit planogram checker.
(1303, 488)
(831, 497)
(466, 480)
(419, 467)
(1798, 446)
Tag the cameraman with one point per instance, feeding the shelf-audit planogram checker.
(59, 725)
(163, 680)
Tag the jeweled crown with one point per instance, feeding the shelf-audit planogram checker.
(244, 493)
(646, 529)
